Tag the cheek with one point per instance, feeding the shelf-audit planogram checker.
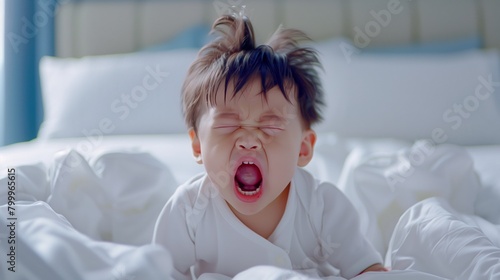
(215, 153)
(287, 143)
(216, 165)
(284, 154)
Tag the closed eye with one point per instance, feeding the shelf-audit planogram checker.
(271, 130)
(226, 128)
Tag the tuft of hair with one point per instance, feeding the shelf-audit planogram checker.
(233, 56)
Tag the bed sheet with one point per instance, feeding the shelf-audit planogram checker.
(170, 162)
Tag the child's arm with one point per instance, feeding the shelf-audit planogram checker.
(342, 241)
(375, 267)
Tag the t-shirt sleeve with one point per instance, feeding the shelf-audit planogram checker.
(342, 243)
(172, 232)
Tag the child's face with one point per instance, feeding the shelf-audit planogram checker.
(250, 147)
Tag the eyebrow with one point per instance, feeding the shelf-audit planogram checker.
(271, 117)
(227, 115)
(266, 116)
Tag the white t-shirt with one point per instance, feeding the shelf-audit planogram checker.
(318, 234)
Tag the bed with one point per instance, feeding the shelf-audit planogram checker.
(411, 134)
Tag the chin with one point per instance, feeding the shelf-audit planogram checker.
(247, 209)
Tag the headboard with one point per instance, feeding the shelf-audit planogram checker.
(105, 27)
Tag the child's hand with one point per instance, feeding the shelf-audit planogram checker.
(375, 267)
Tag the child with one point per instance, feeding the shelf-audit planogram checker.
(249, 110)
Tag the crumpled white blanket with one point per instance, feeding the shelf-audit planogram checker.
(274, 273)
(110, 196)
(433, 237)
(264, 272)
(96, 199)
(431, 190)
(48, 247)
(383, 186)
(67, 212)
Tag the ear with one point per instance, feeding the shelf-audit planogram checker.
(195, 145)
(306, 147)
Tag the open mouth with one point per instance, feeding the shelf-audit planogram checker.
(248, 181)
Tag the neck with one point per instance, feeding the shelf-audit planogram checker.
(265, 222)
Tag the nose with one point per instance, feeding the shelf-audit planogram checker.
(248, 140)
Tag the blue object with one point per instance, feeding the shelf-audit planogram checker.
(29, 35)
(458, 45)
(194, 37)
(2, 103)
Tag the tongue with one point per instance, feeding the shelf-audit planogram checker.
(248, 174)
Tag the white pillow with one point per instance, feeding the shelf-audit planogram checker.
(411, 96)
(137, 93)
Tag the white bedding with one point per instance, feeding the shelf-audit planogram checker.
(48, 247)
(434, 237)
(87, 206)
(435, 190)
(111, 194)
